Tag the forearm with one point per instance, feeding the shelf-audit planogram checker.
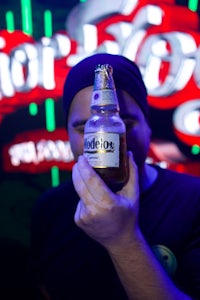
(140, 273)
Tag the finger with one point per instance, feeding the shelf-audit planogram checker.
(131, 189)
(80, 212)
(77, 212)
(90, 197)
(80, 186)
(95, 185)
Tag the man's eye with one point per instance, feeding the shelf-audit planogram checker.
(129, 123)
(80, 129)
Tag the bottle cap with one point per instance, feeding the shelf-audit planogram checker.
(104, 92)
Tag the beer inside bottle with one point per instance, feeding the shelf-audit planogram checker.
(115, 177)
(105, 132)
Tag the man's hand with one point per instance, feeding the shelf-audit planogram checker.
(112, 220)
(107, 217)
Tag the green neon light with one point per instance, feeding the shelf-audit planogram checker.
(48, 23)
(33, 109)
(83, 0)
(55, 179)
(10, 21)
(49, 103)
(26, 10)
(50, 114)
(193, 5)
(27, 27)
(195, 150)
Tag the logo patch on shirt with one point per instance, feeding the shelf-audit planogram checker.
(166, 258)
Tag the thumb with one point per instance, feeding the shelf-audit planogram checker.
(131, 188)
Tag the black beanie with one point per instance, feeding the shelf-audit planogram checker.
(126, 75)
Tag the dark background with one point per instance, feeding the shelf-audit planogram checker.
(18, 191)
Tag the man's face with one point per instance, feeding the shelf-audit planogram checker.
(137, 130)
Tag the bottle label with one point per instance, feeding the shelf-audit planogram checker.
(104, 97)
(102, 149)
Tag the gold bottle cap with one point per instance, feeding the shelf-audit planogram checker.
(104, 92)
(104, 77)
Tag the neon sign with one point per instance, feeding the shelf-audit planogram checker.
(165, 46)
(41, 148)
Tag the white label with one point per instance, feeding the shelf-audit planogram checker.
(102, 149)
(104, 97)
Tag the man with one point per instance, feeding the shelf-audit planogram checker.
(142, 242)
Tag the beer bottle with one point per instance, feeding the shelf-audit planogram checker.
(105, 132)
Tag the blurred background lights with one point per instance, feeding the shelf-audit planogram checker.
(192, 122)
(2, 43)
(195, 149)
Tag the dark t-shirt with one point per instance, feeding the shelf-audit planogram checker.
(73, 266)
